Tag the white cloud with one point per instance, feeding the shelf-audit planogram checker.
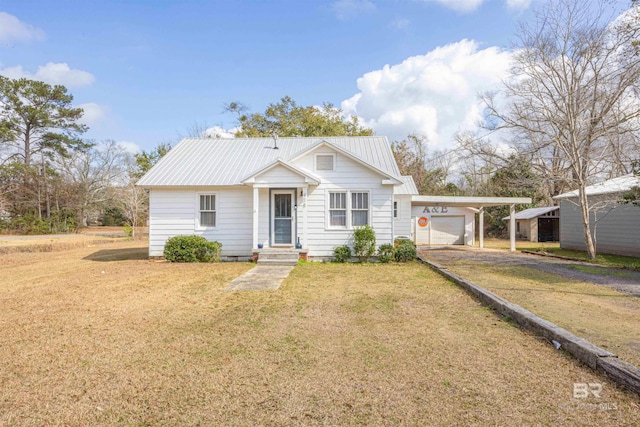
(460, 5)
(93, 113)
(220, 132)
(129, 147)
(433, 94)
(518, 4)
(52, 73)
(346, 9)
(14, 30)
(465, 6)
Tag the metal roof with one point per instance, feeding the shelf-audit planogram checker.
(218, 161)
(533, 212)
(408, 186)
(615, 185)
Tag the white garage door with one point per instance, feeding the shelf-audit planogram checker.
(447, 230)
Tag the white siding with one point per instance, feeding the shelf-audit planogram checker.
(175, 212)
(280, 175)
(430, 212)
(347, 176)
(402, 224)
(617, 232)
(263, 221)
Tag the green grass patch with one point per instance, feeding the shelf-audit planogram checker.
(606, 260)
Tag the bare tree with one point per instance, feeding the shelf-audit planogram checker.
(92, 172)
(135, 203)
(413, 159)
(573, 87)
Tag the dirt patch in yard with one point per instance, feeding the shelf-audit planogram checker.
(101, 336)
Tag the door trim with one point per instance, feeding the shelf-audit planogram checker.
(272, 239)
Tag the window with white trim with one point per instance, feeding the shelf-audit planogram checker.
(395, 209)
(359, 208)
(337, 209)
(207, 210)
(325, 162)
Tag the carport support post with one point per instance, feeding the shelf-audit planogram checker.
(512, 227)
(481, 227)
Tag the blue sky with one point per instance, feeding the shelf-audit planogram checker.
(146, 71)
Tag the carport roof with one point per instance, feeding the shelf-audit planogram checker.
(468, 202)
(533, 212)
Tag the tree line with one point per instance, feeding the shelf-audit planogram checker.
(568, 115)
(52, 180)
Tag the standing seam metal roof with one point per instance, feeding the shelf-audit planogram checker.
(216, 161)
(615, 185)
(533, 212)
(408, 186)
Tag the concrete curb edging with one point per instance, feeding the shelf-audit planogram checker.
(596, 358)
(576, 260)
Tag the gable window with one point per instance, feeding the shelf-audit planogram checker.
(325, 162)
(359, 208)
(337, 209)
(207, 210)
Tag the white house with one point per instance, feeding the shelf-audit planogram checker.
(617, 225)
(251, 193)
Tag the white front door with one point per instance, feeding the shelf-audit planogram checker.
(282, 217)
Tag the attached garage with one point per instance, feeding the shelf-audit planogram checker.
(447, 230)
(450, 220)
(443, 225)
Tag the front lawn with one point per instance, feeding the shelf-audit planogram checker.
(102, 336)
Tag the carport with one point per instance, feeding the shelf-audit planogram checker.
(478, 203)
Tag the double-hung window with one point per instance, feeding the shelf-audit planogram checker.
(359, 208)
(337, 209)
(207, 210)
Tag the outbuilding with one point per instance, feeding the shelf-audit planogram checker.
(538, 224)
(615, 225)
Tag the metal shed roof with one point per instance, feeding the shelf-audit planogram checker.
(533, 212)
(615, 185)
(217, 161)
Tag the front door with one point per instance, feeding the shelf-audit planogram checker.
(282, 217)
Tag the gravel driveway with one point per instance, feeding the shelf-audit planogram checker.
(621, 280)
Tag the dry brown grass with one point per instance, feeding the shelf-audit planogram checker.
(607, 318)
(504, 244)
(51, 244)
(101, 336)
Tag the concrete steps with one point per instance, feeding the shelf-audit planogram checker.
(272, 256)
